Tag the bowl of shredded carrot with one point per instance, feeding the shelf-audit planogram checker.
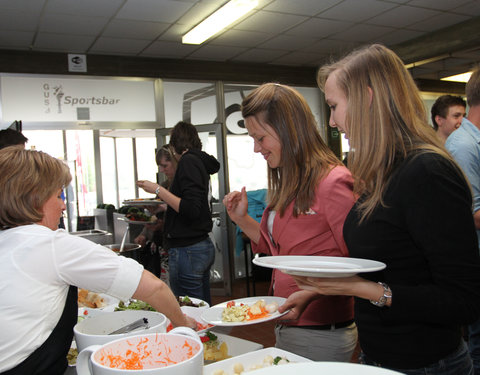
(176, 353)
(97, 329)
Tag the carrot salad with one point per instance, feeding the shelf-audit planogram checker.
(143, 353)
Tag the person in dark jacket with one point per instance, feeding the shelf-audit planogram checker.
(414, 213)
(188, 220)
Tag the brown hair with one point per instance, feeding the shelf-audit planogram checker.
(184, 136)
(306, 159)
(28, 179)
(386, 118)
(442, 104)
(472, 89)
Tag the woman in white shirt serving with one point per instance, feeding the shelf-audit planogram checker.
(42, 266)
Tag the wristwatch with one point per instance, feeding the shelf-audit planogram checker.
(387, 294)
(157, 190)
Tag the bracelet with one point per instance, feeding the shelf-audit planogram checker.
(387, 294)
(157, 190)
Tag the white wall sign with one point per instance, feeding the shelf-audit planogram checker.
(49, 99)
(77, 63)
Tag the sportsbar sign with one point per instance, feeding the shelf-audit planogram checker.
(49, 99)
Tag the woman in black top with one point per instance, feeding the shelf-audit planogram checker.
(413, 213)
(188, 220)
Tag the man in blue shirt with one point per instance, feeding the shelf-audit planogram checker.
(464, 145)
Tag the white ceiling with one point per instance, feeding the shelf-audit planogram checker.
(280, 32)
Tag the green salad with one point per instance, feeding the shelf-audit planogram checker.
(134, 305)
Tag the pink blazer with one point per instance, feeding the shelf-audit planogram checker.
(319, 232)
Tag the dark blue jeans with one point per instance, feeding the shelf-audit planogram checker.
(474, 345)
(456, 363)
(189, 268)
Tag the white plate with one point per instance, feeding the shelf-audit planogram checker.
(142, 202)
(111, 303)
(237, 346)
(323, 368)
(141, 222)
(252, 359)
(213, 315)
(319, 266)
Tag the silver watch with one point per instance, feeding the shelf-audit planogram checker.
(387, 294)
(157, 190)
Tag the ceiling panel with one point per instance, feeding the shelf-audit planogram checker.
(216, 53)
(270, 21)
(95, 8)
(16, 39)
(303, 8)
(280, 32)
(357, 11)
(76, 25)
(442, 20)
(260, 55)
(287, 42)
(117, 46)
(119, 28)
(403, 16)
(153, 10)
(319, 28)
(168, 49)
(62, 42)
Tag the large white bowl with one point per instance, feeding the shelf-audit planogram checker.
(95, 330)
(176, 353)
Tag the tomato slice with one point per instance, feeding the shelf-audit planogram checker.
(204, 338)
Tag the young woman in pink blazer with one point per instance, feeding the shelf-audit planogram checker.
(310, 193)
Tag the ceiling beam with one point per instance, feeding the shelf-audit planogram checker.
(13, 61)
(455, 38)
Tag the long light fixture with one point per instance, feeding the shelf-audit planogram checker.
(464, 77)
(218, 20)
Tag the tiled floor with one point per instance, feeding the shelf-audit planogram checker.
(261, 333)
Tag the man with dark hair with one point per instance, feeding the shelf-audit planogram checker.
(447, 114)
(464, 145)
(10, 137)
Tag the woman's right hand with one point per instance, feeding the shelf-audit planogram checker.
(148, 186)
(236, 204)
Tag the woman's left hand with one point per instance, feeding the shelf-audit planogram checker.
(341, 286)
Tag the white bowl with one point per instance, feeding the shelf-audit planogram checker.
(95, 330)
(176, 353)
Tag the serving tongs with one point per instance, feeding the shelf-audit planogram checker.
(143, 322)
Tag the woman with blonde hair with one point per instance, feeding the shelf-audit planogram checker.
(42, 266)
(154, 255)
(309, 196)
(413, 214)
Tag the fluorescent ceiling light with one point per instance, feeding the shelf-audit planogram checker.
(464, 77)
(217, 21)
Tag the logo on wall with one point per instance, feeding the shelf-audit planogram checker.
(55, 100)
(58, 94)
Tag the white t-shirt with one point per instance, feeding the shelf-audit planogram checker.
(37, 266)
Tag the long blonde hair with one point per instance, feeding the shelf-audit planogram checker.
(385, 116)
(305, 156)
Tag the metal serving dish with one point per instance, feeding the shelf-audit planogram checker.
(101, 237)
(130, 250)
